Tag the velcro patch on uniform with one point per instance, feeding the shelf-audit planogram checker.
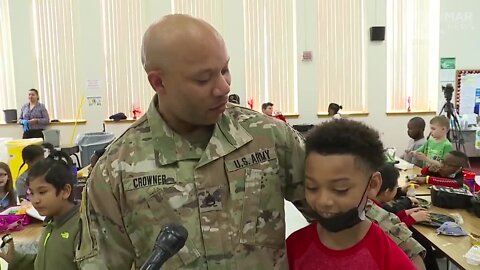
(210, 199)
(260, 156)
(149, 180)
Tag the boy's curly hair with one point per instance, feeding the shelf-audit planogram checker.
(350, 138)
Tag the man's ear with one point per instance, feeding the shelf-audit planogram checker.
(155, 78)
(375, 185)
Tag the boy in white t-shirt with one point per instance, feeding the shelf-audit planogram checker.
(415, 130)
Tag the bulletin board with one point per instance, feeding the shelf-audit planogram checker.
(467, 91)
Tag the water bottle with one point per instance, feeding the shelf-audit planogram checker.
(411, 190)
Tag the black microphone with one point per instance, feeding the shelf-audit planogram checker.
(169, 241)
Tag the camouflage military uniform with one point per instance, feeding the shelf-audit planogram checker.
(229, 195)
(397, 230)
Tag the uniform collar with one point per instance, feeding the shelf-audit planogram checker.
(228, 135)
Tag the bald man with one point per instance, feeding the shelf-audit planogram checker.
(222, 171)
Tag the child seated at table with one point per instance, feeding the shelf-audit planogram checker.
(415, 130)
(389, 200)
(342, 162)
(8, 197)
(448, 174)
(31, 154)
(403, 207)
(437, 146)
(50, 181)
(333, 109)
(48, 148)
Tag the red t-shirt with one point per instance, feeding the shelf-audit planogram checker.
(375, 251)
(281, 117)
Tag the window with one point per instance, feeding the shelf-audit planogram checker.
(209, 10)
(7, 79)
(412, 55)
(126, 82)
(270, 49)
(341, 50)
(55, 57)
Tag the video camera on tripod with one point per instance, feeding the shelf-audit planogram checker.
(455, 135)
(448, 92)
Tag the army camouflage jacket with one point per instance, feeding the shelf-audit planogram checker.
(229, 196)
(397, 230)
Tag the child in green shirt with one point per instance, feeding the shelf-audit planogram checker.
(437, 146)
(51, 184)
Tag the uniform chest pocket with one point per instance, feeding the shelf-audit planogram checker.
(262, 222)
(156, 211)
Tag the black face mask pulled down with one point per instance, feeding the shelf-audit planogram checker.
(343, 220)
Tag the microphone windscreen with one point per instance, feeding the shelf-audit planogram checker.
(172, 238)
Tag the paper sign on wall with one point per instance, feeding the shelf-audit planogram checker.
(307, 56)
(93, 84)
(94, 101)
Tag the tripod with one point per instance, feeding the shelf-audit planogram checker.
(454, 133)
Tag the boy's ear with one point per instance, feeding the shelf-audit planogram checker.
(375, 185)
(67, 190)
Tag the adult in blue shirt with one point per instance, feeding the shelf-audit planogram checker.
(33, 116)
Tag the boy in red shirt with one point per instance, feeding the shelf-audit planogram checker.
(449, 174)
(267, 108)
(402, 206)
(342, 163)
(388, 199)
